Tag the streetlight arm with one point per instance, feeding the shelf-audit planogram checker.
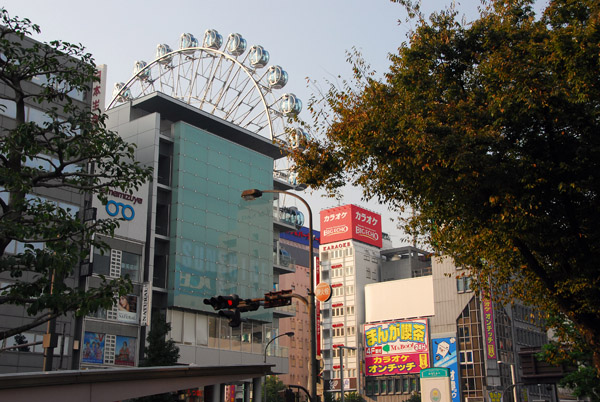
(290, 334)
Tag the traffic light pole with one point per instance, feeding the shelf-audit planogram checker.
(312, 362)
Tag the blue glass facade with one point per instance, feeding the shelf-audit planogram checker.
(220, 244)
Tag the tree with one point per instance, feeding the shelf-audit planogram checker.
(274, 387)
(66, 149)
(160, 350)
(489, 132)
(354, 397)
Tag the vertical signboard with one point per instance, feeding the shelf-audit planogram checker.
(445, 355)
(489, 329)
(351, 222)
(99, 89)
(318, 305)
(396, 347)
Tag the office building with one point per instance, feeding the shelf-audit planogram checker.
(30, 357)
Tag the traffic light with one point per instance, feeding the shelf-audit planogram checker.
(278, 299)
(234, 317)
(223, 302)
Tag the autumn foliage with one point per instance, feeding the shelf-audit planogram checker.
(490, 131)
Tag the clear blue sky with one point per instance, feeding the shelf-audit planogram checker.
(308, 38)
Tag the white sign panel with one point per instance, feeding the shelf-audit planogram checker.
(130, 209)
(412, 298)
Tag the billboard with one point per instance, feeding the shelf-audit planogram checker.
(350, 222)
(127, 309)
(446, 355)
(93, 348)
(125, 351)
(301, 236)
(396, 347)
(412, 297)
(130, 209)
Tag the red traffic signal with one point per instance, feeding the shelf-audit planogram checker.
(223, 302)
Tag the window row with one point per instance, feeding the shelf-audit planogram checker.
(118, 263)
(341, 272)
(349, 373)
(42, 79)
(398, 385)
(339, 253)
(347, 352)
(32, 343)
(32, 115)
(339, 290)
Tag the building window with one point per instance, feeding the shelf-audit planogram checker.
(466, 357)
(463, 284)
(470, 345)
(130, 266)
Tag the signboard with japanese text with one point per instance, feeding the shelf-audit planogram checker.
(301, 236)
(351, 222)
(99, 89)
(445, 355)
(318, 305)
(489, 329)
(396, 347)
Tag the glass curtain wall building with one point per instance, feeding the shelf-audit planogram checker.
(192, 235)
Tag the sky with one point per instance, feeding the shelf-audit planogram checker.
(308, 38)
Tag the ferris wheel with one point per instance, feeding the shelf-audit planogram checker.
(225, 80)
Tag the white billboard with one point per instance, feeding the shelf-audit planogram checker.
(131, 209)
(404, 298)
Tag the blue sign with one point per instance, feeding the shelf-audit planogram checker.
(301, 236)
(445, 355)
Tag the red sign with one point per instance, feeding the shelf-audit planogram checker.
(350, 222)
(396, 347)
(323, 292)
(318, 304)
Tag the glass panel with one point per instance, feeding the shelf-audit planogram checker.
(101, 264)
(224, 243)
(130, 265)
(213, 332)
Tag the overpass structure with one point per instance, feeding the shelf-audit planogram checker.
(110, 385)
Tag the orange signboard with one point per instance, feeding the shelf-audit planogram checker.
(323, 292)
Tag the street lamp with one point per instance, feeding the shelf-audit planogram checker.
(341, 348)
(253, 194)
(290, 334)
